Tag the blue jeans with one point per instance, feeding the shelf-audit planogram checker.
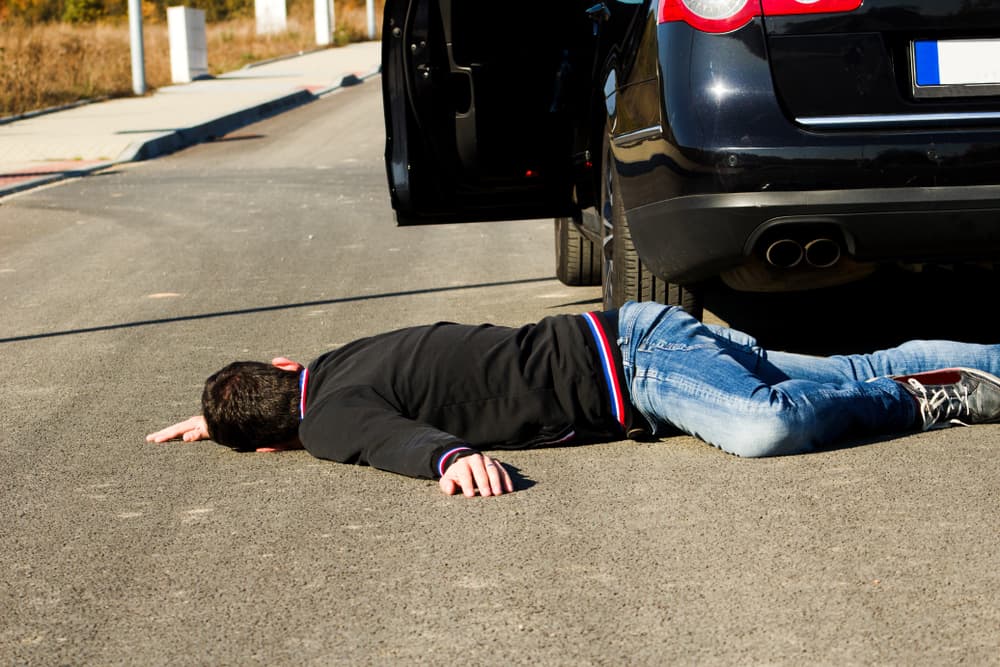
(718, 385)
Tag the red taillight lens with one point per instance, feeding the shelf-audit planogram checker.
(710, 15)
(785, 7)
(726, 15)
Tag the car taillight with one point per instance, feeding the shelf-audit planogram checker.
(710, 15)
(786, 7)
(726, 15)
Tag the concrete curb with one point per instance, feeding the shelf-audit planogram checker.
(53, 177)
(175, 140)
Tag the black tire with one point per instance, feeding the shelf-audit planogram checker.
(578, 259)
(625, 277)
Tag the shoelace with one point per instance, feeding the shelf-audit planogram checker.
(953, 398)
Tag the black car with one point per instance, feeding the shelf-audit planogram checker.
(773, 144)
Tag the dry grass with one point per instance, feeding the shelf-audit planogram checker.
(54, 64)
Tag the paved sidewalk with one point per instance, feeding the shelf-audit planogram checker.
(79, 140)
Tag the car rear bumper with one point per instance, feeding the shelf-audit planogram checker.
(689, 238)
(720, 170)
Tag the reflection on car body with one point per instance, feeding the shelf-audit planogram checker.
(775, 144)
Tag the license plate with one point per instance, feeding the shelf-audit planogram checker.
(956, 67)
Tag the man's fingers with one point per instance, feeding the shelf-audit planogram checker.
(477, 472)
(505, 483)
(189, 430)
(496, 473)
(195, 434)
(168, 433)
(464, 478)
(481, 475)
(458, 477)
(496, 481)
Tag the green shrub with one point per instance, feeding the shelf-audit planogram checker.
(83, 11)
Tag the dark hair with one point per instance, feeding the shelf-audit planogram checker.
(250, 404)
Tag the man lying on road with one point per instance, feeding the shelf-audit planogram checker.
(425, 401)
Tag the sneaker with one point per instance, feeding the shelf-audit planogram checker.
(959, 396)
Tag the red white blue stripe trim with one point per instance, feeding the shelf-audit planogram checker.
(610, 368)
(566, 438)
(447, 455)
(303, 385)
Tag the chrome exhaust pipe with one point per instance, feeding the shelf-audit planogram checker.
(822, 253)
(784, 253)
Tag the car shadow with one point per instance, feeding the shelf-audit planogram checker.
(885, 309)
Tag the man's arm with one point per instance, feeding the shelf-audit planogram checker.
(359, 426)
(194, 428)
(469, 474)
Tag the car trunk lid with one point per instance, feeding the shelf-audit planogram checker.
(886, 62)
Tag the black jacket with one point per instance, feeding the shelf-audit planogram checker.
(400, 400)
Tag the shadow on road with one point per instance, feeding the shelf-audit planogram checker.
(883, 310)
(267, 309)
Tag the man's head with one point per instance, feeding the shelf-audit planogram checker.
(248, 404)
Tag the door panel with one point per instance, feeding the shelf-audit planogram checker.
(481, 105)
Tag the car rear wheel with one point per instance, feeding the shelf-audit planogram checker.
(625, 277)
(578, 259)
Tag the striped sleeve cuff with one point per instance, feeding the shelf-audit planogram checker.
(449, 457)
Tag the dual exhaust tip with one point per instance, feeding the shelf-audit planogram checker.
(819, 253)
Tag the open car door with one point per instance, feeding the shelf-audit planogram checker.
(486, 108)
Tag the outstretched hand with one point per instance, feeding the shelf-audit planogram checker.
(476, 472)
(195, 428)
(469, 474)
(188, 430)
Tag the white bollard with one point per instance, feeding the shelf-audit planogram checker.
(271, 16)
(325, 24)
(188, 43)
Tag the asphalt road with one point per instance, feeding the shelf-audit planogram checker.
(122, 291)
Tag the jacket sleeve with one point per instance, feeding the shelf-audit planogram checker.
(357, 425)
